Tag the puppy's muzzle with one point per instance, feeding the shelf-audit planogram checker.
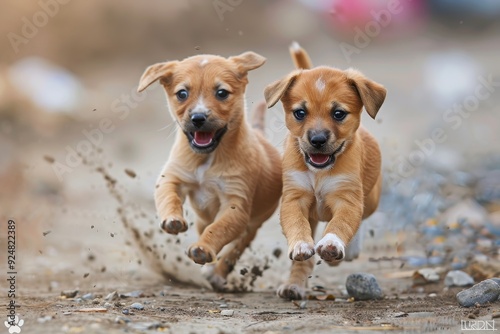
(318, 139)
(198, 119)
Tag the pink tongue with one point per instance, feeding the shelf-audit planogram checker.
(319, 159)
(203, 138)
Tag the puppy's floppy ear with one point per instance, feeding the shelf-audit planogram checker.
(248, 61)
(371, 93)
(273, 92)
(155, 72)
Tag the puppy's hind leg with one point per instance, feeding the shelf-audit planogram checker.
(295, 287)
(217, 273)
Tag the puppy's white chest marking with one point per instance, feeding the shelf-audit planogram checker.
(321, 186)
(320, 84)
(207, 187)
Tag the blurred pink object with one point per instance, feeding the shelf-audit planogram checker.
(345, 15)
(392, 15)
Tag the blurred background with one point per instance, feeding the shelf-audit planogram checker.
(80, 150)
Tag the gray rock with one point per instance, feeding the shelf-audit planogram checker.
(137, 306)
(482, 293)
(227, 313)
(133, 294)
(458, 278)
(69, 293)
(112, 296)
(88, 296)
(363, 286)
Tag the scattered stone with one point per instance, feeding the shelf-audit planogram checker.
(458, 278)
(227, 313)
(112, 296)
(130, 173)
(433, 295)
(108, 305)
(96, 301)
(223, 306)
(69, 293)
(49, 159)
(482, 293)
(425, 276)
(137, 306)
(363, 286)
(88, 296)
(133, 294)
(67, 313)
(121, 320)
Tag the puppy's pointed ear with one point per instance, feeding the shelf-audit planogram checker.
(155, 72)
(248, 61)
(273, 92)
(371, 93)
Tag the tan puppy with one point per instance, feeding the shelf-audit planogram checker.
(331, 165)
(229, 171)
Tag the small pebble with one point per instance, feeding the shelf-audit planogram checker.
(133, 294)
(482, 293)
(121, 320)
(425, 275)
(112, 296)
(363, 286)
(227, 313)
(137, 306)
(223, 306)
(69, 293)
(108, 305)
(126, 311)
(458, 278)
(88, 296)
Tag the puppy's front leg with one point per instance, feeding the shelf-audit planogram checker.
(295, 207)
(168, 202)
(231, 223)
(347, 211)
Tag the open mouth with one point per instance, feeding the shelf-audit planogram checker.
(318, 160)
(205, 141)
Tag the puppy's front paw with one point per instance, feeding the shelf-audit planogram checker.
(331, 248)
(301, 251)
(174, 225)
(201, 254)
(291, 292)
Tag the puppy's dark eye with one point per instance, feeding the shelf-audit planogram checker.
(182, 95)
(221, 94)
(299, 114)
(339, 115)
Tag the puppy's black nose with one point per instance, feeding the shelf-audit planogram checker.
(198, 119)
(318, 140)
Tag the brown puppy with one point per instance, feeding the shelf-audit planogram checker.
(229, 171)
(331, 165)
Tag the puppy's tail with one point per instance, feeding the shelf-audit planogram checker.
(258, 116)
(300, 57)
